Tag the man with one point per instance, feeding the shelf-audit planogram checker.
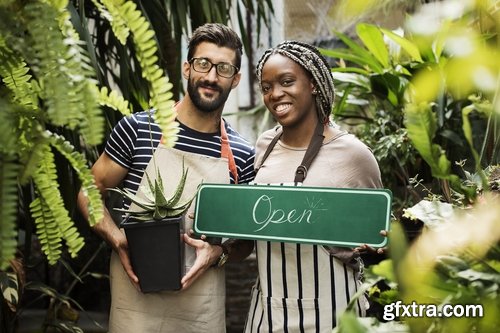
(211, 71)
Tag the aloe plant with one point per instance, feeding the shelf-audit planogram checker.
(155, 205)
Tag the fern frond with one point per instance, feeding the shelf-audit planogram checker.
(109, 11)
(146, 50)
(63, 70)
(49, 54)
(31, 151)
(48, 233)
(9, 131)
(113, 100)
(92, 121)
(45, 179)
(8, 209)
(79, 164)
(15, 74)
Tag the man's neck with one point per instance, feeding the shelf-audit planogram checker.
(190, 116)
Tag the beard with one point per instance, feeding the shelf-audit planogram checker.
(202, 103)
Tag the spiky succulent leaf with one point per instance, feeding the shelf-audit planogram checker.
(180, 187)
(155, 205)
(146, 204)
(159, 191)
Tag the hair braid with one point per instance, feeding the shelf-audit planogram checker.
(315, 64)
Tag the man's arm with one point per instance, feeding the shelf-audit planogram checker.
(109, 174)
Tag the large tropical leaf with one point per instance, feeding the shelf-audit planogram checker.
(374, 42)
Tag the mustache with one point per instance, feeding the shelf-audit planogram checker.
(210, 85)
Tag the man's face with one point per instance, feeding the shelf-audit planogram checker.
(209, 91)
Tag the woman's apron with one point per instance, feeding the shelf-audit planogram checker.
(284, 297)
(200, 308)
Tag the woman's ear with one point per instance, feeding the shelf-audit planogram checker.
(314, 91)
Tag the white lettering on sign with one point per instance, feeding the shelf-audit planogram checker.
(278, 216)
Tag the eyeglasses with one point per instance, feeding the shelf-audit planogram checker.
(224, 69)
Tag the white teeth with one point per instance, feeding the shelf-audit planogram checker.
(282, 107)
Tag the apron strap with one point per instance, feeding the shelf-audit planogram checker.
(311, 152)
(225, 149)
(269, 149)
(226, 152)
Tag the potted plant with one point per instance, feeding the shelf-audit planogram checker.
(153, 227)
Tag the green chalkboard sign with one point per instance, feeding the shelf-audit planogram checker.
(315, 215)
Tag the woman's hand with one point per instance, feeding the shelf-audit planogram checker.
(365, 249)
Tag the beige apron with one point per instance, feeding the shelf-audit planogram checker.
(200, 308)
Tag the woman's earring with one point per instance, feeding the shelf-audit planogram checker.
(314, 92)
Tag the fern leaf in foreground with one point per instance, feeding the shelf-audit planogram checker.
(79, 164)
(113, 100)
(146, 50)
(52, 205)
(8, 209)
(48, 233)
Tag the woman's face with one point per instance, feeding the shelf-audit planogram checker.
(287, 91)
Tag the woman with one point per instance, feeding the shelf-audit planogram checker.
(304, 288)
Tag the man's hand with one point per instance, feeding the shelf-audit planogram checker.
(122, 251)
(206, 255)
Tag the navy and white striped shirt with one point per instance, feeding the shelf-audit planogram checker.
(132, 143)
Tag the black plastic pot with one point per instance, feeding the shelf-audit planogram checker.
(157, 252)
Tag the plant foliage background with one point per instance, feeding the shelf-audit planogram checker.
(426, 98)
(69, 71)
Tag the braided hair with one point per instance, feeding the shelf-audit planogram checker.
(309, 58)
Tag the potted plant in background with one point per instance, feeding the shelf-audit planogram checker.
(153, 227)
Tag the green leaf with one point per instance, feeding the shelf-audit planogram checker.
(8, 210)
(405, 44)
(51, 217)
(356, 79)
(9, 287)
(374, 42)
(349, 323)
(88, 187)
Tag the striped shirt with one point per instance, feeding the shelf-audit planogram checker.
(134, 139)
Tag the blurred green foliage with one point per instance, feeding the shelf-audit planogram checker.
(426, 98)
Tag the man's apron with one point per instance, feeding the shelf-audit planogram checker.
(200, 308)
